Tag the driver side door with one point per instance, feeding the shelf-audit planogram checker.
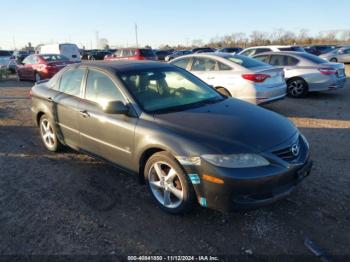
(110, 136)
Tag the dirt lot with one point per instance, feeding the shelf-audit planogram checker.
(69, 203)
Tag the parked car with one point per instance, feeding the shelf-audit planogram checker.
(161, 54)
(70, 51)
(187, 141)
(95, 55)
(19, 56)
(203, 50)
(322, 49)
(7, 60)
(311, 50)
(338, 55)
(232, 50)
(305, 72)
(250, 51)
(177, 54)
(39, 67)
(237, 76)
(133, 54)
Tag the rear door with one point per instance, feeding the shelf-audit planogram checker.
(344, 56)
(285, 62)
(110, 136)
(26, 70)
(205, 69)
(66, 103)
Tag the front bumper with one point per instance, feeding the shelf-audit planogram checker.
(246, 188)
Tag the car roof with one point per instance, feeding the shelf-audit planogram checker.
(268, 46)
(125, 66)
(280, 53)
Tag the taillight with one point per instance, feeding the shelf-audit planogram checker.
(257, 78)
(328, 71)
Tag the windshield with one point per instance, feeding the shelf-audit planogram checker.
(244, 61)
(167, 89)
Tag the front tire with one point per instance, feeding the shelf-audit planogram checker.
(297, 87)
(168, 183)
(49, 135)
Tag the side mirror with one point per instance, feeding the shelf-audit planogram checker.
(115, 107)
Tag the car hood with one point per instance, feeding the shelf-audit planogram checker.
(229, 126)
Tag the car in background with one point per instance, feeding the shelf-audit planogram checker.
(322, 49)
(19, 56)
(39, 67)
(71, 51)
(187, 142)
(162, 54)
(203, 50)
(237, 76)
(305, 72)
(250, 51)
(7, 60)
(232, 50)
(341, 55)
(132, 54)
(311, 50)
(177, 54)
(95, 54)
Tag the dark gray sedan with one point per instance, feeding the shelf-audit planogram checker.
(187, 141)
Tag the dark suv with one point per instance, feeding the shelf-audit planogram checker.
(187, 141)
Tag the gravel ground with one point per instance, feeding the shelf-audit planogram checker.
(71, 204)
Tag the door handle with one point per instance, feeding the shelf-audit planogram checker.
(84, 113)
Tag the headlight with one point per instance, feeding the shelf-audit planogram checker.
(236, 160)
(189, 160)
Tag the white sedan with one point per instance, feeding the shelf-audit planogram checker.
(237, 76)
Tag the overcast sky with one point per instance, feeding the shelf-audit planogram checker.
(160, 21)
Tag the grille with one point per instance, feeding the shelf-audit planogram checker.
(289, 153)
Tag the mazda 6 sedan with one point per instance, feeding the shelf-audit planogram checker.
(188, 142)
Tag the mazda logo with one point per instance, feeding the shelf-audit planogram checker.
(295, 149)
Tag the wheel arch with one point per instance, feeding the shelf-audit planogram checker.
(224, 88)
(146, 154)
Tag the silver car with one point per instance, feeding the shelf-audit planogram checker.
(177, 54)
(237, 76)
(338, 55)
(305, 72)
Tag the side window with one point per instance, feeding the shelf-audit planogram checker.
(223, 67)
(290, 61)
(203, 64)
(277, 60)
(101, 89)
(71, 81)
(249, 52)
(346, 51)
(183, 62)
(262, 50)
(263, 58)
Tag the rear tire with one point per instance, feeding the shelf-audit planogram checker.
(48, 134)
(37, 77)
(334, 60)
(168, 184)
(297, 87)
(224, 91)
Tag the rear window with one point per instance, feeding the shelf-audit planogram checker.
(245, 61)
(146, 52)
(53, 58)
(292, 48)
(5, 53)
(313, 58)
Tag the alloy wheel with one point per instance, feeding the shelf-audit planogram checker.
(166, 185)
(296, 87)
(47, 133)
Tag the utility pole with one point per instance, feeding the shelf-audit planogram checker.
(14, 43)
(137, 39)
(97, 40)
